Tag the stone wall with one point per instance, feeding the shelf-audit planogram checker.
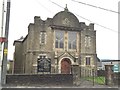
(18, 61)
(40, 80)
(116, 79)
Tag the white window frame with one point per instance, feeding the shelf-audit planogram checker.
(41, 37)
(87, 41)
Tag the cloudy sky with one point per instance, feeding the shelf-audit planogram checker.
(23, 12)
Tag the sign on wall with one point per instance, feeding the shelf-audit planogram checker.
(116, 68)
(44, 65)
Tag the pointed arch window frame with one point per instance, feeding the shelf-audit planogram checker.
(72, 44)
(59, 39)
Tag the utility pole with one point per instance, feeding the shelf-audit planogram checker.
(2, 25)
(5, 48)
(2, 19)
(1, 37)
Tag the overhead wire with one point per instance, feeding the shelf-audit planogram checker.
(96, 23)
(87, 19)
(44, 6)
(56, 4)
(96, 6)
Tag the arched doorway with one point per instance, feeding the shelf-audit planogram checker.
(65, 66)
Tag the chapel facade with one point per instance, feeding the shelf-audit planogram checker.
(68, 45)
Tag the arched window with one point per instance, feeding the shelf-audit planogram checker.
(59, 39)
(72, 38)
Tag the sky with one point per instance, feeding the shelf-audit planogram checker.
(23, 12)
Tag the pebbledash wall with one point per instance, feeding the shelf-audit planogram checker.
(68, 43)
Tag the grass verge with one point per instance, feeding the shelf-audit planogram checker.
(99, 80)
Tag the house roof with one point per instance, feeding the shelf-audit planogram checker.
(108, 60)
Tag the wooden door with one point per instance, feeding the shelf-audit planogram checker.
(65, 66)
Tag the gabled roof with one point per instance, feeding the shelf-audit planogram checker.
(21, 40)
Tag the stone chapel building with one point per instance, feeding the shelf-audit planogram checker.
(68, 44)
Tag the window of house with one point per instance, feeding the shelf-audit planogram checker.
(87, 41)
(59, 39)
(88, 60)
(72, 38)
(42, 37)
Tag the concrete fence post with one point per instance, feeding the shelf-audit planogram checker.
(76, 74)
(109, 75)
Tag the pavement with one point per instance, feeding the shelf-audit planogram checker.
(56, 88)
